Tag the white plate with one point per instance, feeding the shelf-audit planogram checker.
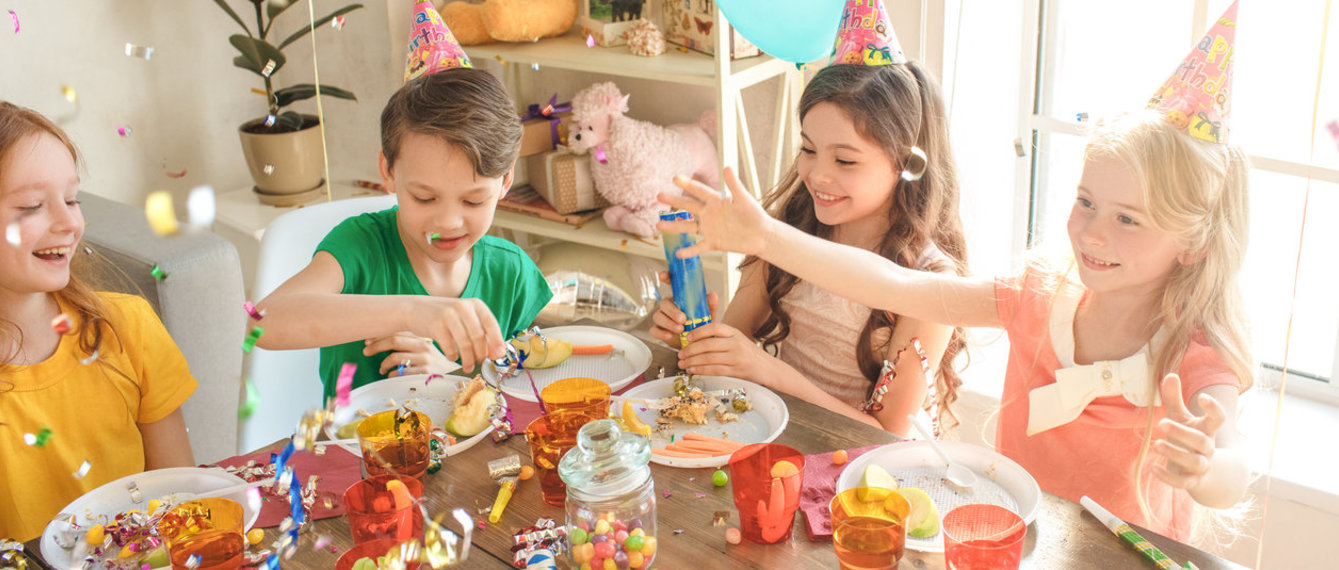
(999, 481)
(761, 424)
(630, 359)
(114, 497)
(434, 399)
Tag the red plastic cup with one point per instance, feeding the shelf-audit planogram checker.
(766, 492)
(371, 549)
(983, 537)
(376, 512)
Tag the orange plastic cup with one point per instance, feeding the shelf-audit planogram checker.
(204, 534)
(397, 443)
(586, 395)
(550, 436)
(869, 533)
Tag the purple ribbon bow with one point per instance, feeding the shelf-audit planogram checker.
(547, 111)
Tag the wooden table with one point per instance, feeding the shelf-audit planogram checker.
(1062, 536)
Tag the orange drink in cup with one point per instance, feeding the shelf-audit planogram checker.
(765, 480)
(585, 395)
(397, 442)
(550, 436)
(869, 527)
(204, 534)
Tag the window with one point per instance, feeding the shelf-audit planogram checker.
(1115, 66)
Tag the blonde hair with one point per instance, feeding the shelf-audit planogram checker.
(1195, 191)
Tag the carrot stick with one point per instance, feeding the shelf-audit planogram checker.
(698, 446)
(672, 453)
(592, 349)
(716, 440)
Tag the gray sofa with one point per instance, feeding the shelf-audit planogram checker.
(200, 303)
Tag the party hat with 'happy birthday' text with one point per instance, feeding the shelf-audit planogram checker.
(432, 46)
(1197, 98)
(865, 36)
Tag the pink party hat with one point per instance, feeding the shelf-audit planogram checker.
(432, 46)
(865, 36)
(1198, 96)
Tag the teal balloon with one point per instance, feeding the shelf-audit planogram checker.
(798, 31)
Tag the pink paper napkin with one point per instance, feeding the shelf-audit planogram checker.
(337, 469)
(820, 485)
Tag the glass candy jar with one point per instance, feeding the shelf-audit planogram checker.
(611, 499)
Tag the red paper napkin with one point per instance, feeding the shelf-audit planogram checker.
(820, 485)
(337, 468)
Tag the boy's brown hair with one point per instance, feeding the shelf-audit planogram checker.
(466, 107)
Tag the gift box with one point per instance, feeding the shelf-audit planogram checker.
(607, 20)
(690, 24)
(563, 179)
(541, 133)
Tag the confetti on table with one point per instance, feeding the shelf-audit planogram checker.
(251, 338)
(337, 23)
(12, 234)
(250, 309)
(69, 93)
(124, 130)
(158, 273)
(162, 217)
(665, 494)
(15, 18)
(200, 206)
(142, 52)
(590, 41)
(90, 359)
(344, 383)
(252, 399)
(62, 324)
(322, 541)
(38, 439)
(177, 174)
(269, 68)
(83, 470)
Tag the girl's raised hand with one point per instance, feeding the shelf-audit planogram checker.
(1187, 444)
(729, 221)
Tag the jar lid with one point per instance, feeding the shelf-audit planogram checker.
(606, 460)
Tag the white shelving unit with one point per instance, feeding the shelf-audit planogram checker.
(727, 79)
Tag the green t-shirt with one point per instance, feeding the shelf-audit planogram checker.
(369, 250)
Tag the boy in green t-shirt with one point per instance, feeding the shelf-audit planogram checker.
(383, 287)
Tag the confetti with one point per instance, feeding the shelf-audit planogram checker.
(499, 59)
(534, 67)
(15, 18)
(269, 169)
(337, 23)
(158, 273)
(181, 174)
(665, 494)
(1081, 117)
(194, 561)
(90, 359)
(269, 120)
(590, 41)
(700, 495)
(251, 338)
(83, 471)
(433, 236)
(142, 52)
(269, 68)
(345, 383)
(432, 377)
(162, 217)
(62, 324)
(678, 531)
(369, 184)
(250, 309)
(252, 399)
(69, 93)
(38, 439)
(322, 541)
(399, 370)
(124, 131)
(12, 234)
(200, 206)
(600, 156)
(1334, 130)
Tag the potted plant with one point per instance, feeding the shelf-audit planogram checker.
(283, 148)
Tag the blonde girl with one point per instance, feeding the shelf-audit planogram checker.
(1151, 330)
(862, 127)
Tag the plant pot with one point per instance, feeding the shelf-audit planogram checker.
(286, 167)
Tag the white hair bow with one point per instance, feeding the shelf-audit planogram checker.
(1057, 404)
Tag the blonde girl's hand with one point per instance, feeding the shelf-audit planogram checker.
(417, 354)
(465, 329)
(668, 320)
(718, 349)
(1187, 445)
(729, 221)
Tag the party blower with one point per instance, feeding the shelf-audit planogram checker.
(1119, 528)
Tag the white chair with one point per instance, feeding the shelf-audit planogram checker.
(287, 381)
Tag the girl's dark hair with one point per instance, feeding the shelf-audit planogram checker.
(896, 106)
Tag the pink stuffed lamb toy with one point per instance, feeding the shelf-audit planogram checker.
(635, 160)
